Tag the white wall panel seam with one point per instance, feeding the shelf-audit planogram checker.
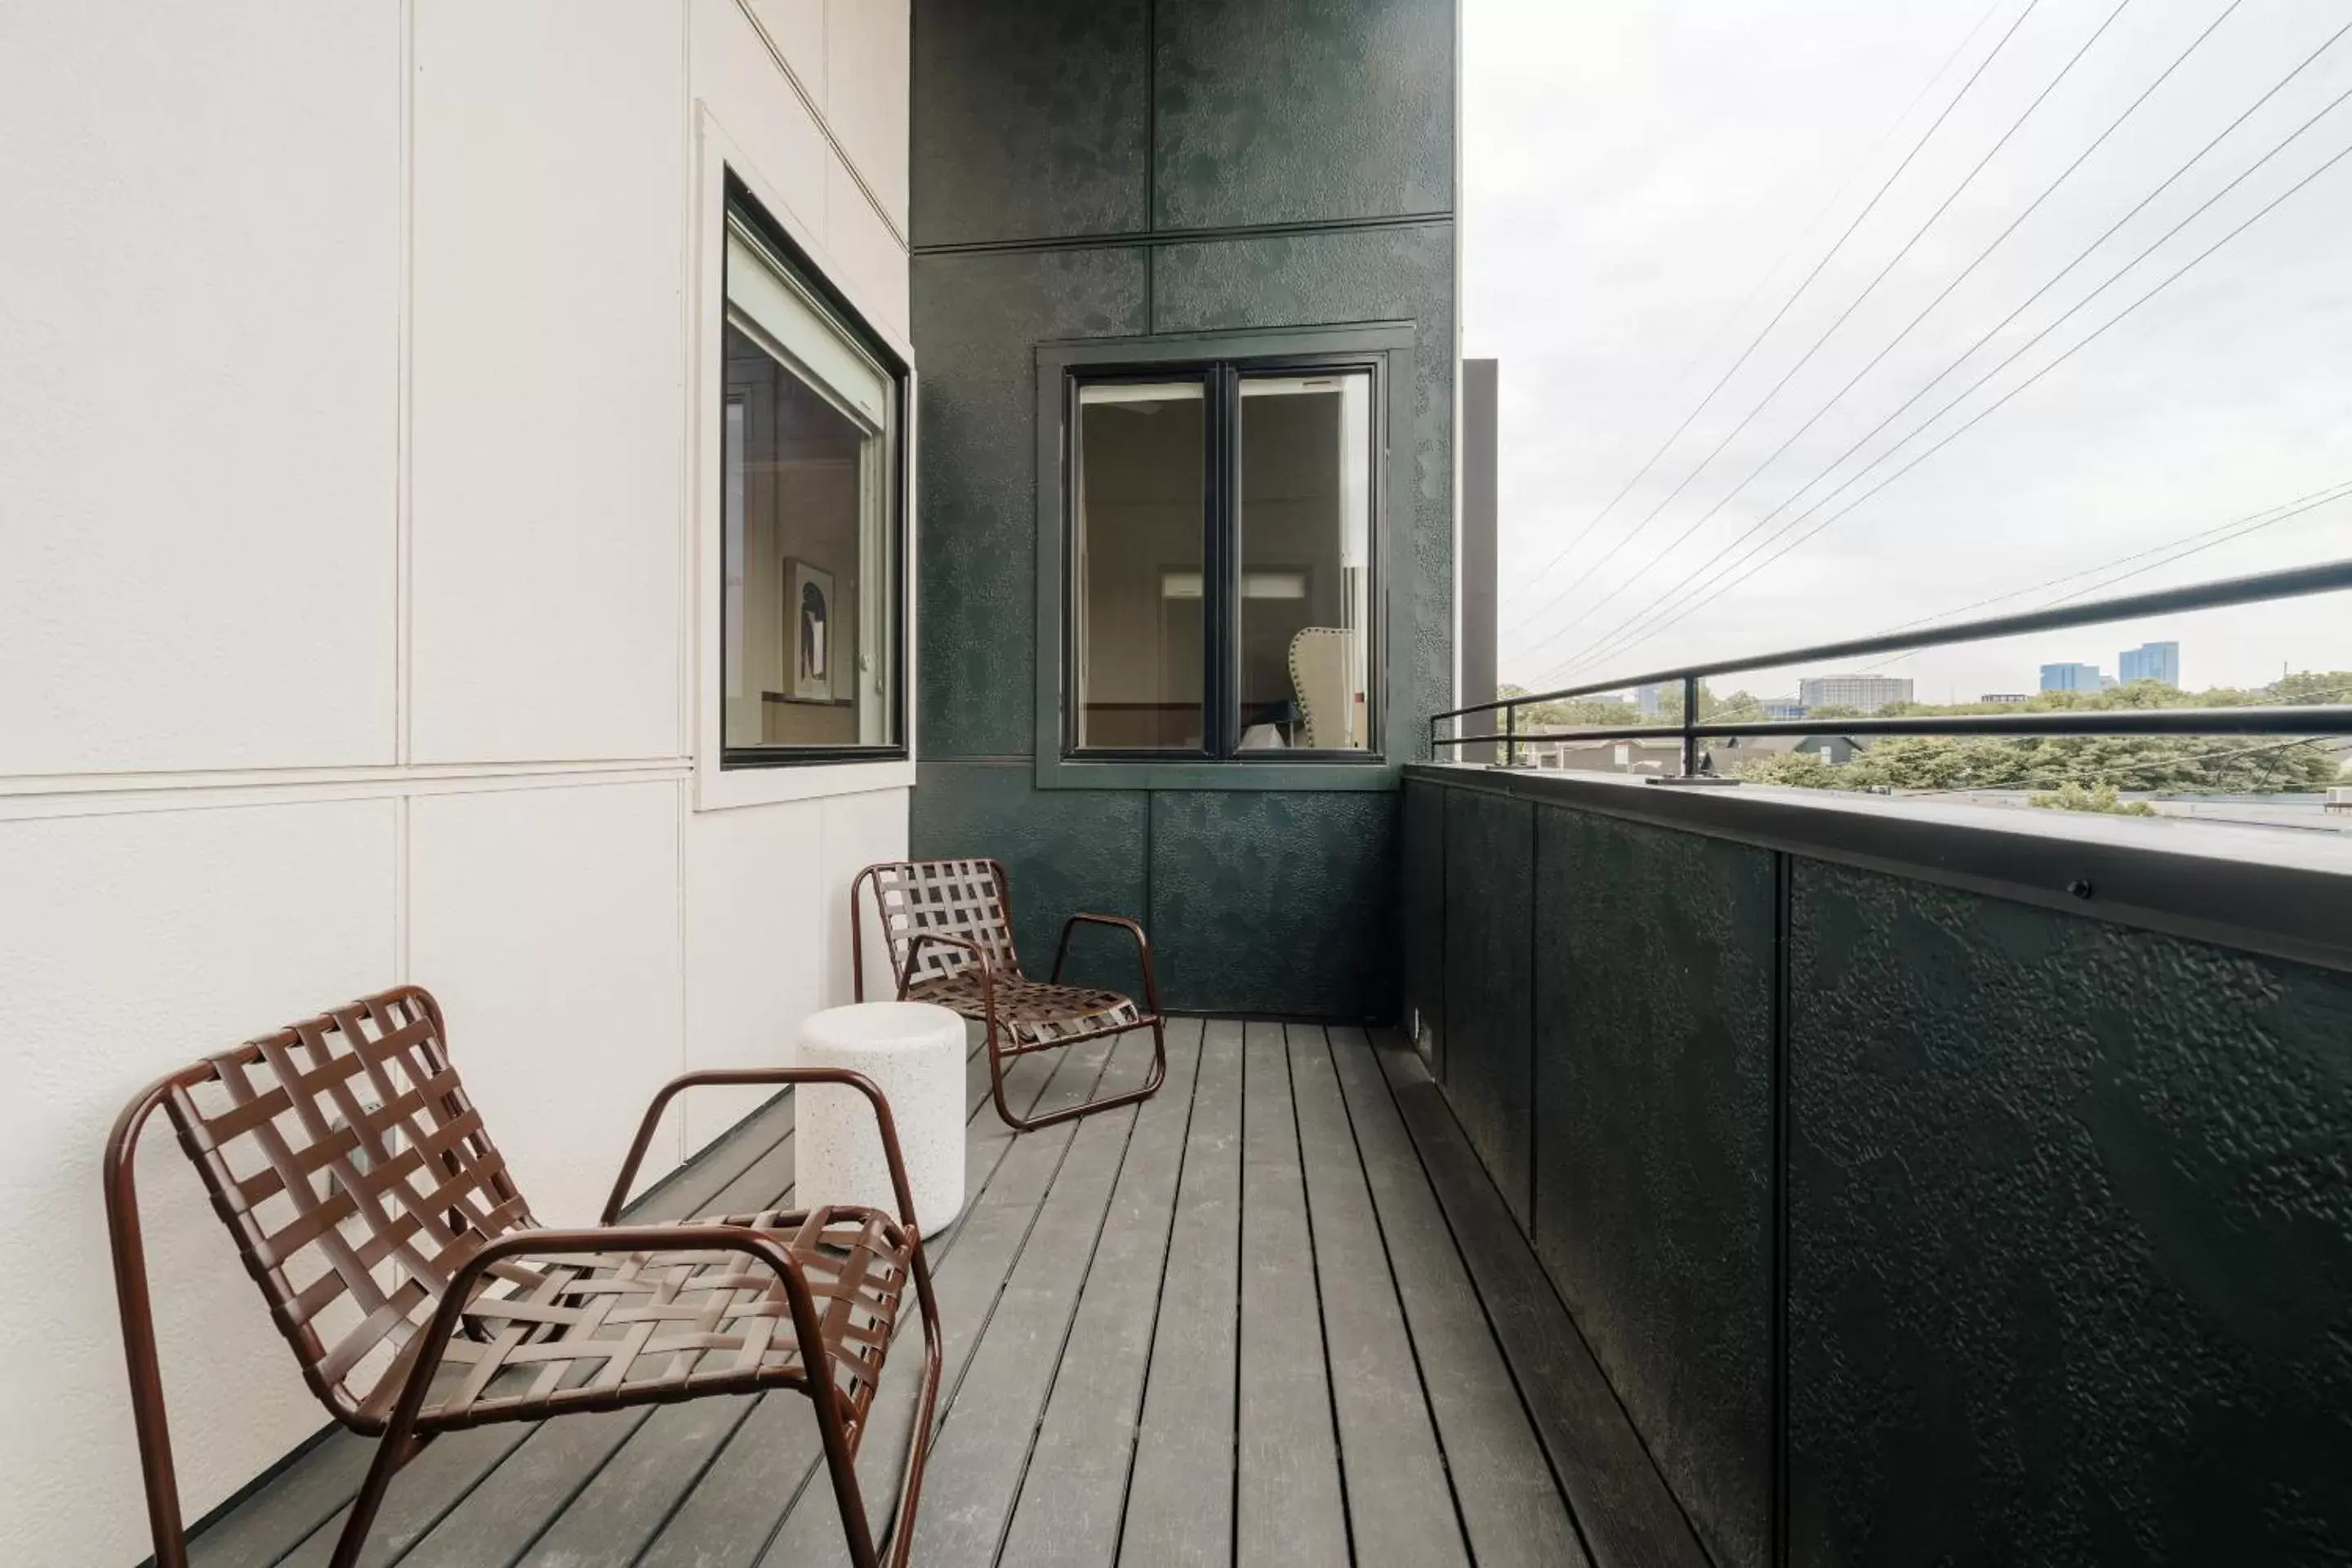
(824, 125)
(404, 591)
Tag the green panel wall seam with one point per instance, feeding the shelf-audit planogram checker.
(1155, 236)
(1776, 1410)
(1150, 130)
(1535, 982)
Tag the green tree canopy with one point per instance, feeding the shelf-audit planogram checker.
(2224, 764)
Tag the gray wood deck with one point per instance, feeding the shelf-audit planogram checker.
(1276, 1314)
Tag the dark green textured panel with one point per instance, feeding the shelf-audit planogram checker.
(1283, 110)
(2070, 1239)
(978, 320)
(1064, 850)
(1654, 1135)
(1489, 983)
(1028, 118)
(1373, 275)
(1276, 902)
(1424, 916)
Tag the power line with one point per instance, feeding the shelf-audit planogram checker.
(1717, 583)
(1832, 331)
(1666, 601)
(2251, 523)
(2199, 549)
(1946, 292)
(1786, 305)
(2268, 515)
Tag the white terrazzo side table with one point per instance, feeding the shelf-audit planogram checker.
(914, 1052)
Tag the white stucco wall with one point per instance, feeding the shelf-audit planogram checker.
(352, 487)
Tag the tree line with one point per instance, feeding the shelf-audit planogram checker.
(2081, 773)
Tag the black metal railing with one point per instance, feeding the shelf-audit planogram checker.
(2303, 719)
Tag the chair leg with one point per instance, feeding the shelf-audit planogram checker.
(841, 1462)
(393, 1449)
(926, 1403)
(1070, 1112)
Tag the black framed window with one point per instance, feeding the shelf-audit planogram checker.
(1223, 541)
(812, 515)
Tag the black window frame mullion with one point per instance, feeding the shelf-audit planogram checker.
(1224, 632)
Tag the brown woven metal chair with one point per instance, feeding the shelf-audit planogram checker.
(949, 927)
(420, 1296)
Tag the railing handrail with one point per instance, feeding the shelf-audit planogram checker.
(2295, 583)
(2258, 588)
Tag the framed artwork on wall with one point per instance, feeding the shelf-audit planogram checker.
(809, 591)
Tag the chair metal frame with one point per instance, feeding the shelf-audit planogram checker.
(400, 1440)
(905, 950)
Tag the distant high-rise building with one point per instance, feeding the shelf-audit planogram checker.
(2150, 661)
(1780, 707)
(2070, 678)
(1650, 700)
(1866, 692)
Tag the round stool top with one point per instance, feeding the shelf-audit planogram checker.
(879, 1026)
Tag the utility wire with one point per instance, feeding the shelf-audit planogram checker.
(1666, 600)
(2252, 522)
(1821, 341)
(2258, 520)
(1757, 341)
(1614, 642)
(1945, 293)
(2199, 549)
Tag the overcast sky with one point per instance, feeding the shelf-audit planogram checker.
(1646, 183)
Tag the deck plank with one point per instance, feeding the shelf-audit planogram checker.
(1290, 1506)
(279, 1522)
(1400, 1505)
(1180, 1498)
(983, 1445)
(1511, 1506)
(1628, 1518)
(999, 1232)
(1074, 1491)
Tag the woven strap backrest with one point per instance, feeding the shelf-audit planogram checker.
(955, 898)
(354, 1173)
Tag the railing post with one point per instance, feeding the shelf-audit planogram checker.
(1690, 726)
(1511, 736)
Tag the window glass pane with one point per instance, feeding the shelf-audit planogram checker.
(806, 546)
(1305, 545)
(1138, 610)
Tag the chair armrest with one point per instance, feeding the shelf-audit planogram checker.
(738, 1077)
(1119, 922)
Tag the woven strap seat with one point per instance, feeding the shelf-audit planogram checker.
(1033, 1013)
(600, 1331)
